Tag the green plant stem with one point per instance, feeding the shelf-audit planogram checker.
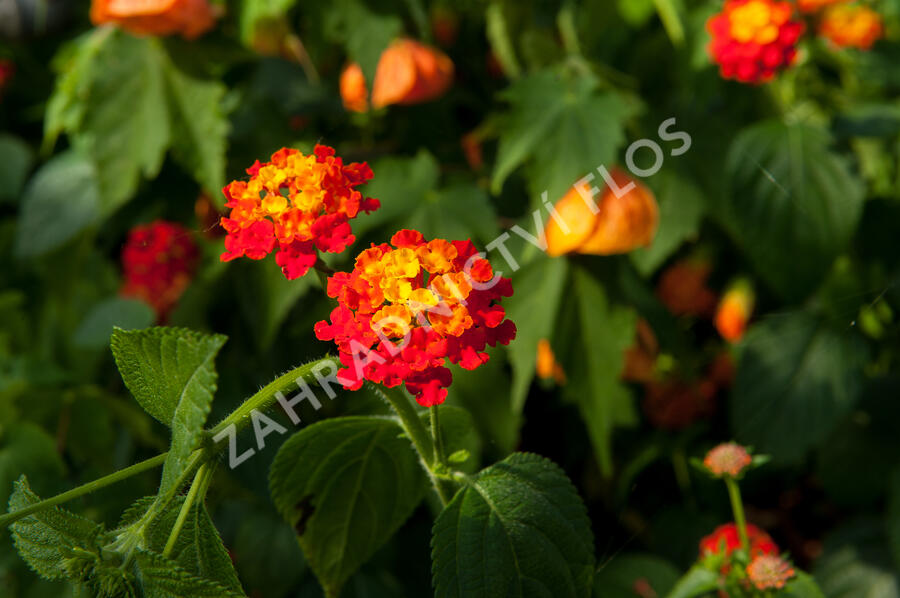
(671, 21)
(197, 491)
(565, 22)
(439, 453)
(737, 506)
(411, 422)
(103, 482)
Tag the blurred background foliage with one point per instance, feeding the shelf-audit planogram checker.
(792, 188)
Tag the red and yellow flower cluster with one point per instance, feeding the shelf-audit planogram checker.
(754, 39)
(408, 72)
(408, 307)
(189, 18)
(158, 263)
(851, 26)
(296, 205)
(727, 460)
(725, 539)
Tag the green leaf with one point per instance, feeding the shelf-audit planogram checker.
(16, 159)
(562, 126)
(460, 436)
(791, 204)
(458, 212)
(45, 538)
(59, 202)
(856, 562)
(171, 373)
(606, 332)
(198, 548)
(518, 528)
(620, 577)
(696, 582)
(345, 485)
(539, 288)
(794, 369)
(802, 586)
(115, 312)
(256, 15)
(199, 127)
(163, 578)
(681, 208)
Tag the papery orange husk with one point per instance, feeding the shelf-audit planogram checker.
(851, 26)
(682, 288)
(410, 73)
(353, 89)
(622, 223)
(547, 367)
(189, 18)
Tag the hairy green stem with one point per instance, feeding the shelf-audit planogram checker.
(439, 454)
(197, 491)
(410, 420)
(737, 506)
(74, 493)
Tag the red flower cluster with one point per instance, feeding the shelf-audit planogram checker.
(158, 262)
(409, 306)
(725, 539)
(754, 39)
(297, 204)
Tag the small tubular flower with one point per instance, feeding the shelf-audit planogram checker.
(189, 18)
(725, 539)
(734, 311)
(408, 72)
(753, 39)
(295, 205)
(851, 26)
(623, 222)
(769, 572)
(158, 263)
(408, 307)
(682, 288)
(729, 459)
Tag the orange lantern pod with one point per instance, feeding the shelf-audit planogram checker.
(682, 288)
(189, 18)
(353, 89)
(734, 311)
(855, 26)
(622, 223)
(410, 73)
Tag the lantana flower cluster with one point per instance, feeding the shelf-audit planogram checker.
(158, 263)
(754, 39)
(295, 205)
(851, 26)
(410, 306)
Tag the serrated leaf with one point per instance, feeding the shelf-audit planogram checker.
(198, 549)
(792, 204)
(681, 208)
(792, 369)
(605, 333)
(58, 203)
(16, 159)
(345, 485)
(43, 539)
(539, 290)
(163, 578)
(171, 373)
(562, 126)
(199, 127)
(518, 529)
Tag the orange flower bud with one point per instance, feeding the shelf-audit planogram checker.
(640, 359)
(189, 18)
(410, 73)
(547, 367)
(682, 288)
(353, 89)
(855, 26)
(621, 224)
(734, 311)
